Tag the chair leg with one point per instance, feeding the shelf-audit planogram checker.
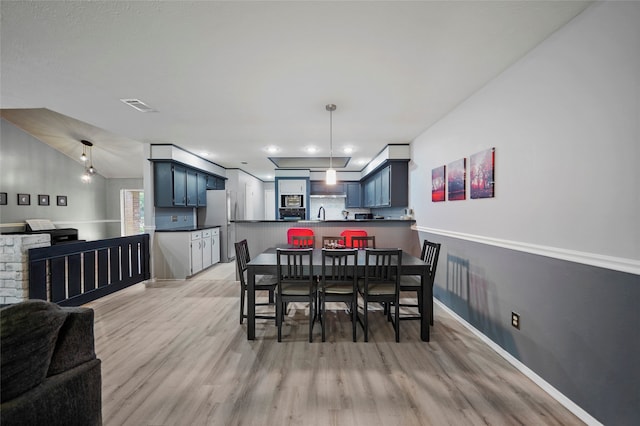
(366, 320)
(279, 319)
(354, 316)
(242, 291)
(431, 313)
(311, 317)
(397, 319)
(323, 314)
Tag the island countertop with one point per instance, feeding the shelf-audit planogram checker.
(332, 221)
(389, 233)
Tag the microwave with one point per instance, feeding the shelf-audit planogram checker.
(288, 201)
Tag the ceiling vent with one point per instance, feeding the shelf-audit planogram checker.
(138, 104)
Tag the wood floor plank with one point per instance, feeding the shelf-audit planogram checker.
(173, 353)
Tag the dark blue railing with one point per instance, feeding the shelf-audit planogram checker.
(76, 273)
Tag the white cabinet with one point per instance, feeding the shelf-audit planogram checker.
(206, 249)
(215, 246)
(292, 186)
(196, 252)
(181, 254)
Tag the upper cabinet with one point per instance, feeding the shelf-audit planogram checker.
(214, 182)
(176, 185)
(353, 190)
(388, 187)
(292, 186)
(319, 187)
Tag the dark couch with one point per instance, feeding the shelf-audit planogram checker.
(50, 373)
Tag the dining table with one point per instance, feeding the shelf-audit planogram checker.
(266, 264)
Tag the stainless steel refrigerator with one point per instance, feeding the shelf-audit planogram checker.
(222, 208)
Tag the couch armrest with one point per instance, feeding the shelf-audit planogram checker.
(75, 343)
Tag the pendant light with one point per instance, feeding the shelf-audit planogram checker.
(331, 173)
(88, 171)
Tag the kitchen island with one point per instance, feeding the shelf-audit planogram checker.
(389, 233)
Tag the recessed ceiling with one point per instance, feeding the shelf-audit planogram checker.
(231, 78)
(310, 162)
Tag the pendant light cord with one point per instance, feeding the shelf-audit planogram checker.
(330, 108)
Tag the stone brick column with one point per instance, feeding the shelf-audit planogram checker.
(14, 265)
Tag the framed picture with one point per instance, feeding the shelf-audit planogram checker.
(3, 198)
(24, 199)
(43, 200)
(61, 200)
(457, 179)
(438, 184)
(481, 174)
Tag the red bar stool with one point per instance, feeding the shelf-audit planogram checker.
(348, 233)
(298, 232)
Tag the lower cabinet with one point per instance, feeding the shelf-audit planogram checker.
(196, 250)
(181, 254)
(207, 249)
(215, 246)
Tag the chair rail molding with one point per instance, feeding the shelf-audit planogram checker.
(621, 264)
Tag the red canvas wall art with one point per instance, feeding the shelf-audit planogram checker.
(481, 172)
(438, 184)
(456, 179)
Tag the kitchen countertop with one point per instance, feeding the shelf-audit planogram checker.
(327, 221)
(188, 228)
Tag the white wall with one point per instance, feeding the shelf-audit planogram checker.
(565, 124)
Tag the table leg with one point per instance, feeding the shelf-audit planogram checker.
(425, 315)
(251, 304)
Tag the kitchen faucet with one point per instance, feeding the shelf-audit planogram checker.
(321, 209)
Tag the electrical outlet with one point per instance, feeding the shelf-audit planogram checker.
(515, 320)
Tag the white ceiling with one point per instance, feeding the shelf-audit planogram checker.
(231, 78)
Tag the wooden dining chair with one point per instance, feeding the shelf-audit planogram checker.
(339, 283)
(333, 242)
(303, 241)
(381, 283)
(265, 283)
(409, 283)
(350, 233)
(361, 243)
(295, 284)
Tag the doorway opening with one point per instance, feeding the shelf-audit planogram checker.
(132, 212)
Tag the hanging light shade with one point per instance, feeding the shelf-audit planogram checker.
(331, 177)
(85, 144)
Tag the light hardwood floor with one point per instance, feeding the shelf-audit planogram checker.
(173, 353)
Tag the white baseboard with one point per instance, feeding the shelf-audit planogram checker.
(544, 385)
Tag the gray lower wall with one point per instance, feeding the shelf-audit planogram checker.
(579, 323)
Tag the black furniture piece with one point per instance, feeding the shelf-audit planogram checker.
(303, 241)
(334, 242)
(381, 283)
(430, 253)
(361, 243)
(295, 284)
(339, 283)
(267, 283)
(50, 373)
(265, 263)
(58, 235)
